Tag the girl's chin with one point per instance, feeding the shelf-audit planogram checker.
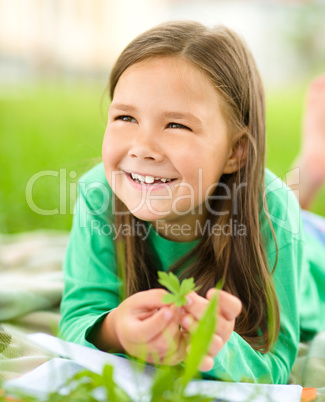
(148, 216)
(148, 213)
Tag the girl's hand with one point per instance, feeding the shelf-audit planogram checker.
(149, 329)
(229, 308)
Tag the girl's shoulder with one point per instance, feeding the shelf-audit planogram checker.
(283, 209)
(95, 191)
(95, 175)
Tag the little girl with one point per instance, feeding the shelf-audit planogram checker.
(183, 188)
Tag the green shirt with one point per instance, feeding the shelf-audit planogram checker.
(91, 284)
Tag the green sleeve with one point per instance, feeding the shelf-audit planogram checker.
(238, 361)
(312, 308)
(90, 280)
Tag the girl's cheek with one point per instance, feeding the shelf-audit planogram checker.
(113, 147)
(106, 149)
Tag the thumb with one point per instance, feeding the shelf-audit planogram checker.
(149, 299)
(155, 324)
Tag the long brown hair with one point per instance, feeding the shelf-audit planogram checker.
(240, 261)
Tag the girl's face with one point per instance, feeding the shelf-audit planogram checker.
(165, 124)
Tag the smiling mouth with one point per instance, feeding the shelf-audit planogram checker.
(151, 180)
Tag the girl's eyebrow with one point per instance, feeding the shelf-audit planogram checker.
(171, 115)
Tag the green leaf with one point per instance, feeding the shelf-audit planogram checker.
(180, 300)
(121, 268)
(163, 383)
(200, 341)
(114, 392)
(169, 298)
(220, 284)
(109, 383)
(179, 291)
(170, 281)
(188, 286)
(89, 381)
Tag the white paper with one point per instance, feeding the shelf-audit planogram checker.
(48, 377)
(134, 378)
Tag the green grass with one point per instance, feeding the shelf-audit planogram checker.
(284, 111)
(283, 128)
(47, 127)
(61, 126)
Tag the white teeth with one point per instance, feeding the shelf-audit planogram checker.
(149, 179)
(136, 176)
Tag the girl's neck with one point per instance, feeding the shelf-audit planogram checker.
(189, 229)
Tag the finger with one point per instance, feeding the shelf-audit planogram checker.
(149, 300)
(178, 356)
(229, 305)
(216, 345)
(146, 314)
(188, 322)
(149, 328)
(195, 305)
(206, 364)
(224, 328)
(167, 341)
(161, 348)
(186, 336)
(172, 330)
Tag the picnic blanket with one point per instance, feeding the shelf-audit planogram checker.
(31, 286)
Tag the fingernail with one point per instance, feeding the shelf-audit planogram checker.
(167, 314)
(187, 321)
(189, 301)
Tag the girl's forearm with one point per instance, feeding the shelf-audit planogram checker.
(104, 337)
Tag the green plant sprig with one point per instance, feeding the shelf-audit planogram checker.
(170, 382)
(178, 291)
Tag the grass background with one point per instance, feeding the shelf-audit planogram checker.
(59, 127)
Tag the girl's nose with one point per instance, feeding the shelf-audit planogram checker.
(145, 147)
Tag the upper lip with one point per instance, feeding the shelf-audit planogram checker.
(149, 174)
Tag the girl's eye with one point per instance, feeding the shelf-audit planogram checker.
(125, 118)
(176, 125)
(131, 119)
